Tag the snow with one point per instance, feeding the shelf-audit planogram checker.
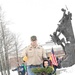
(67, 71)
(13, 72)
(62, 71)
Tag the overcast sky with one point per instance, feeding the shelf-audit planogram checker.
(35, 17)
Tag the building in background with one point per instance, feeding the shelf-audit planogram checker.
(57, 49)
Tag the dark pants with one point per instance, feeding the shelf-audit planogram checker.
(55, 67)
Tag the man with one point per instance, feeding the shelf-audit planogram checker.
(35, 54)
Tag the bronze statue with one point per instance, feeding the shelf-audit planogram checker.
(65, 26)
(68, 45)
(57, 40)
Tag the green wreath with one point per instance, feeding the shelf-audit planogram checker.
(42, 70)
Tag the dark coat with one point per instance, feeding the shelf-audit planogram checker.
(20, 69)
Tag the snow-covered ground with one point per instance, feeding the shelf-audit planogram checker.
(66, 71)
(62, 71)
(12, 72)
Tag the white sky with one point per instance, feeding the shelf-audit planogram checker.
(35, 17)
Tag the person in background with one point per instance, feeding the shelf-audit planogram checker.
(54, 60)
(35, 54)
(21, 69)
(49, 62)
(59, 62)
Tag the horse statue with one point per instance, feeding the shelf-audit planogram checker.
(68, 45)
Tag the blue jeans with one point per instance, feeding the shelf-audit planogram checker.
(29, 69)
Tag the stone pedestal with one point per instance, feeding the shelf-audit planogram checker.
(70, 55)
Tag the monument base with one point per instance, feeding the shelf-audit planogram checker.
(70, 55)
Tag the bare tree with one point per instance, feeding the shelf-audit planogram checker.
(17, 48)
(1, 46)
(1, 58)
(8, 43)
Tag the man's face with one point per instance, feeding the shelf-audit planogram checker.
(34, 43)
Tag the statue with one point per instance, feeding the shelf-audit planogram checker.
(65, 26)
(68, 45)
(57, 40)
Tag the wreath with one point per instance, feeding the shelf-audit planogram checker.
(42, 71)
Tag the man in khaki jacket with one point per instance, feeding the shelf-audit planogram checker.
(35, 55)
